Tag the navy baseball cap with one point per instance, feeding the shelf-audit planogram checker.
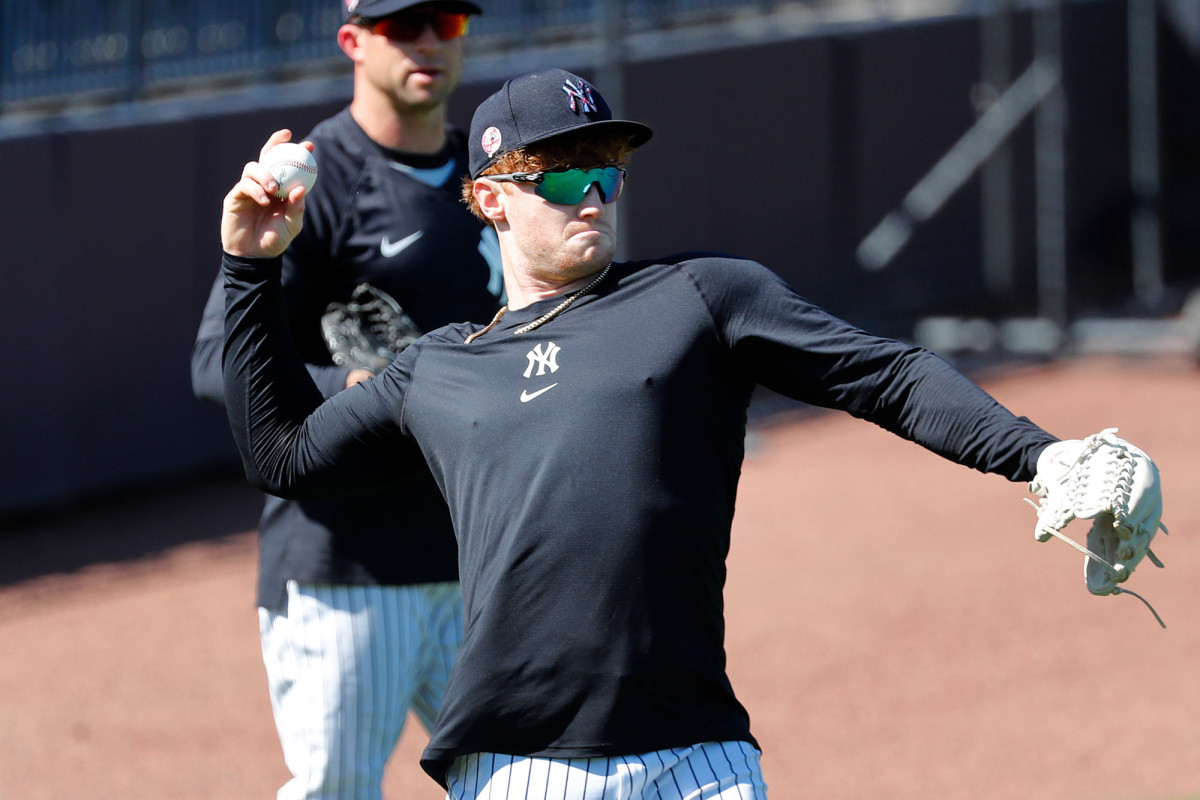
(376, 9)
(536, 107)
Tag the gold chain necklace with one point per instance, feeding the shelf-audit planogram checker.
(549, 315)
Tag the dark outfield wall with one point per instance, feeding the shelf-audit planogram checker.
(787, 153)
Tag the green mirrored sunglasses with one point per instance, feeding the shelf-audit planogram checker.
(569, 186)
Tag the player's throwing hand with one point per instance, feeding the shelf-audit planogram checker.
(255, 223)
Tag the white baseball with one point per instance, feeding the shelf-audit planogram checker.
(291, 165)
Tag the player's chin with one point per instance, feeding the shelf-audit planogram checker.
(594, 247)
(426, 90)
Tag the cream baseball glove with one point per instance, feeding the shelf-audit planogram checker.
(1115, 485)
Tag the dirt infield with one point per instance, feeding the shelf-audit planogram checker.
(893, 627)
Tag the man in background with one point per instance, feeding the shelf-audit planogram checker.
(359, 603)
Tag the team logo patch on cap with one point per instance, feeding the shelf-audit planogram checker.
(351, 5)
(579, 97)
(490, 141)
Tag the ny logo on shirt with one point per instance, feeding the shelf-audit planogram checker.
(545, 356)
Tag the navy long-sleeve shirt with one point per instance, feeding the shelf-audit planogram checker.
(591, 469)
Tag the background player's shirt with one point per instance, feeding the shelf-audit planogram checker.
(591, 467)
(395, 221)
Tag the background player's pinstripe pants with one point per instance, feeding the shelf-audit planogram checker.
(709, 771)
(344, 665)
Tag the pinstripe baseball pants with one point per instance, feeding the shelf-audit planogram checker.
(709, 771)
(344, 665)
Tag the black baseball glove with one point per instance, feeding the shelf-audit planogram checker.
(369, 331)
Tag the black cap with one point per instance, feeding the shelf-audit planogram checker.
(374, 9)
(537, 106)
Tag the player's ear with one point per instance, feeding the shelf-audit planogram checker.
(490, 197)
(349, 38)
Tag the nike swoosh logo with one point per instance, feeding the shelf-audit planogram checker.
(527, 396)
(390, 248)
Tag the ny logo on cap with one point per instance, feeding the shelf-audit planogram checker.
(579, 97)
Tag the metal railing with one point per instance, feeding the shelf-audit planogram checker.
(129, 49)
(57, 47)
(61, 47)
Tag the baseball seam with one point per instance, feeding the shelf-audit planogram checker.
(297, 164)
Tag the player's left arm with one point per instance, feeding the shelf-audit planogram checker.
(803, 352)
(799, 350)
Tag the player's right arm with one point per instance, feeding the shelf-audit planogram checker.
(207, 380)
(291, 444)
(252, 223)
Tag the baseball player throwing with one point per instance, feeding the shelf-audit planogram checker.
(589, 441)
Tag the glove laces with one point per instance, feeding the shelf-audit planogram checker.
(1117, 571)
